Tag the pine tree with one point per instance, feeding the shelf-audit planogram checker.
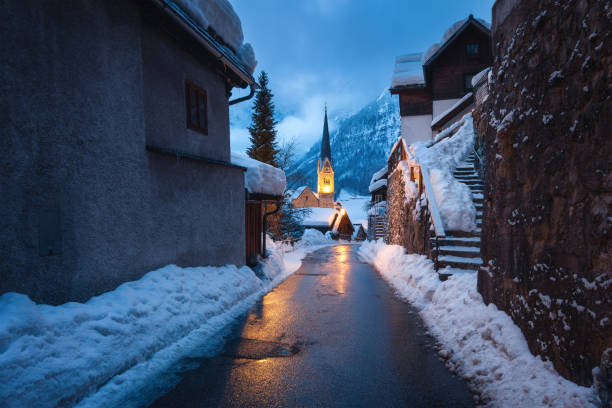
(263, 134)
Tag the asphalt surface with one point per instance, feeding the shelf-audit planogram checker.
(332, 335)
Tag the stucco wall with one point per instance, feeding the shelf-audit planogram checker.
(85, 207)
(416, 128)
(442, 105)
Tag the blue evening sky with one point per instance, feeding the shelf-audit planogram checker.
(339, 51)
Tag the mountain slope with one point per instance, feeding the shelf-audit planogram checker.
(360, 146)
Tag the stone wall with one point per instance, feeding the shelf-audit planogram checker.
(407, 220)
(546, 130)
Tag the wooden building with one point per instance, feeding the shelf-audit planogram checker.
(429, 85)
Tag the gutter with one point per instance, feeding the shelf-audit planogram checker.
(182, 155)
(245, 98)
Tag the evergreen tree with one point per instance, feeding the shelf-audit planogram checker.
(263, 134)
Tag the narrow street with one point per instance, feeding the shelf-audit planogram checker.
(333, 334)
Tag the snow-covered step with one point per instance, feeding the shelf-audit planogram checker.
(460, 262)
(459, 251)
(445, 273)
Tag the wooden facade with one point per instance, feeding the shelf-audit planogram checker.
(253, 230)
(449, 71)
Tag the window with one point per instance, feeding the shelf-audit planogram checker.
(197, 117)
(325, 181)
(472, 49)
(467, 81)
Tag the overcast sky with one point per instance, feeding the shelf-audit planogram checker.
(339, 51)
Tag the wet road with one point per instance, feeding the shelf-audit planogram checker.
(331, 335)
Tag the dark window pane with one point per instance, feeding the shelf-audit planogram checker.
(202, 110)
(472, 49)
(193, 107)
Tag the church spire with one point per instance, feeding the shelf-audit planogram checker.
(325, 147)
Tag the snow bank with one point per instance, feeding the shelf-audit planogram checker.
(115, 344)
(219, 15)
(453, 197)
(480, 342)
(260, 177)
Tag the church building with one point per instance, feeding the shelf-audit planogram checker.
(324, 198)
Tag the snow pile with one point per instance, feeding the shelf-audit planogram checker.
(408, 70)
(115, 344)
(260, 177)
(454, 198)
(480, 342)
(378, 179)
(312, 237)
(219, 16)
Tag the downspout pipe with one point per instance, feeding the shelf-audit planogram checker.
(265, 223)
(253, 86)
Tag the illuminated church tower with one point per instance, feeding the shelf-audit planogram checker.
(325, 171)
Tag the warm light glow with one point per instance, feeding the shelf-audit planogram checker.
(326, 189)
(342, 211)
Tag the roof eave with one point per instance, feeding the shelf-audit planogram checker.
(229, 61)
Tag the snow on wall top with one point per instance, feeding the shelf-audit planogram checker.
(219, 15)
(260, 178)
(408, 70)
(476, 79)
(379, 174)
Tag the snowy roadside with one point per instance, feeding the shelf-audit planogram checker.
(99, 352)
(479, 342)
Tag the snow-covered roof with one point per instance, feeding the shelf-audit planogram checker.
(456, 105)
(377, 184)
(295, 193)
(379, 174)
(319, 216)
(219, 17)
(260, 178)
(408, 70)
(449, 34)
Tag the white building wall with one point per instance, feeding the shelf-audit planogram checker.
(441, 105)
(416, 128)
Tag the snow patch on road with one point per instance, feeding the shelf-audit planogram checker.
(480, 342)
(105, 349)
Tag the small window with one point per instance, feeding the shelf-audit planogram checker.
(472, 49)
(197, 117)
(467, 82)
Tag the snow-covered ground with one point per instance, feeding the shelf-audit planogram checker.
(111, 350)
(479, 342)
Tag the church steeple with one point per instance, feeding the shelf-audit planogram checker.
(325, 170)
(325, 147)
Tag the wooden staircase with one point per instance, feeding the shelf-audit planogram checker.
(459, 250)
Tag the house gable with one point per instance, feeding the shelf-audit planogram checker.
(449, 70)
